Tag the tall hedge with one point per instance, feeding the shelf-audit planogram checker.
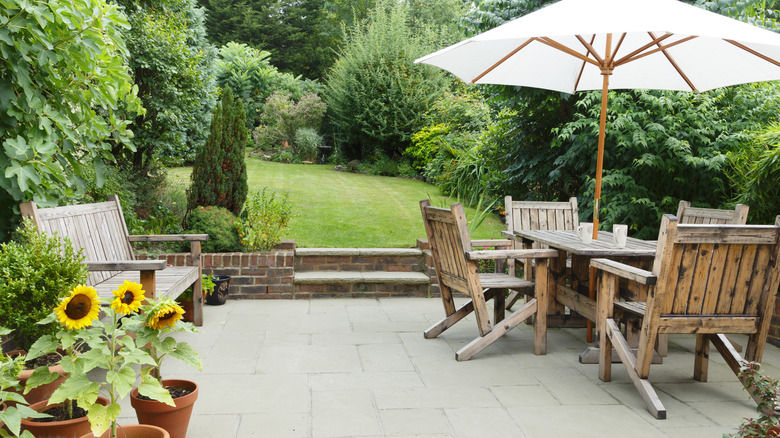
(219, 172)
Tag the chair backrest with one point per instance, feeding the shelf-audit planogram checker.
(448, 237)
(711, 270)
(694, 215)
(533, 215)
(99, 229)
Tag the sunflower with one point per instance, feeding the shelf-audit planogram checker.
(80, 308)
(165, 315)
(129, 296)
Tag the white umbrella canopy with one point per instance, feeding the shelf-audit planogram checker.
(576, 45)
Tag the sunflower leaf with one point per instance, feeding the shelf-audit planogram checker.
(100, 417)
(44, 345)
(185, 353)
(40, 376)
(152, 388)
(122, 380)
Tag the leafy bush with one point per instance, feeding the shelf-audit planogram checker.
(36, 271)
(219, 224)
(285, 156)
(376, 95)
(219, 173)
(307, 143)
(283, 116)
(264, 220)
(381, 165)
(426, 144)
(766, 388)
(755, 174)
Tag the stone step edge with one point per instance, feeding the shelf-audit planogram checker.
(349, 277)
(366, 252)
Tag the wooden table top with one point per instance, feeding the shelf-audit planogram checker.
(603, 247)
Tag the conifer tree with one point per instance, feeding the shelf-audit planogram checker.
(219, 172)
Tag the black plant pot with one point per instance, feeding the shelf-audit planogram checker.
(220, 293)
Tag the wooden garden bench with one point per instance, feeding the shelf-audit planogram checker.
(696, 215)
(708, 280)
(99, 230)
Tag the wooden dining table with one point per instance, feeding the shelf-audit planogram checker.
(575, 288)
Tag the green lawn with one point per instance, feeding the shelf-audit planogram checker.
(340, 209)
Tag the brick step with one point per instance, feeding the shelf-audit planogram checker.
(358, 259)
(347, 277)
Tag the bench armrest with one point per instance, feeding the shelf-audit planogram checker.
(625, 271)
(492, 243)
(125, 265)
(512, 254)
(168, 237)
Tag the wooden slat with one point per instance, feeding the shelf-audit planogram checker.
(168, 237)
(729, 283)
(746, 267)
(714, 279)
(729, 234)
(700, 278)
(712, 324)
(758, 280)
(687, 269)
(577, 302)
(625, 271)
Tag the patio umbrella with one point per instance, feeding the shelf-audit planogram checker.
(576, 45)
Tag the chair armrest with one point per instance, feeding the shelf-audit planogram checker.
(492, 243)
(168, 237)
(125, 265)
(512, 254)
(625, 271)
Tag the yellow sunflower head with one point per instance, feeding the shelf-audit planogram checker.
(129, 297)
(164, 314)
(80, 308)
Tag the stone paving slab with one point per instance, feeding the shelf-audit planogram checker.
(323, 368)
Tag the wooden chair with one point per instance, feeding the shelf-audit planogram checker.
(99, 230)
(457, 271)
(707, 280)
(694, 215)
(537, 215)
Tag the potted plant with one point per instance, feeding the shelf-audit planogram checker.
(36, 271)
(220, 287)
(14, 407)
(185, 299)
(160, 319)
(112, 347)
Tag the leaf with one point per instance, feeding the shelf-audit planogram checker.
(75, 387)
(40, 376)
(44, 345)
(185, 353)
(152, 388)
(101, 417)
(123, 380)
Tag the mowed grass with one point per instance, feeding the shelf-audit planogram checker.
(340, 209)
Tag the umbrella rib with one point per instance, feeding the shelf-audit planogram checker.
(556, 45)
(660, 48)
(582, 68)
(754, 52)
(591, 50)
(674, 64)
(617, 48)
(501, 61)
(630, 56)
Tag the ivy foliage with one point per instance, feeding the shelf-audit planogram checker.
(376, 94)
(219, 173)
(65, 93)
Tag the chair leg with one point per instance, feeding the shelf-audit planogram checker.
(499, 305)
(499, 329)
(512, 298)
(463, 311)
(702, 358)
(643, 386)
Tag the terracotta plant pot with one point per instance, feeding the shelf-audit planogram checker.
(134, 431)
(58, 429)
(173, 419)
(188, 311)
(42, 392)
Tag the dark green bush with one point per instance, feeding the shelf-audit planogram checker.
(36, 271)
(219, 224)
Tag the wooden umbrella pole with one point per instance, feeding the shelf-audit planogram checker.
(606, 70)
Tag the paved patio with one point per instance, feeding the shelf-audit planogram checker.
(361, 368)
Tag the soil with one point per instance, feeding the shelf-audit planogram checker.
(59, 413)
(175, 393)
(47, 360)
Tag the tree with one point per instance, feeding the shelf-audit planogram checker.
(219, 173)
(173, 65)
(376, 94)
(65, 95)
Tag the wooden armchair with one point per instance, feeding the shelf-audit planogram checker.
(99, 230)
(457, 270)
(707, 280)
(536, 215)
(694, 215)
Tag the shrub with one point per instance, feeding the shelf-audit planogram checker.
(219, 173)
(36, 271)
(307, 143)
(426, 145)
(264, 220)
(382, 166)
(755, 174)
(219, 224)
(282, 117)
